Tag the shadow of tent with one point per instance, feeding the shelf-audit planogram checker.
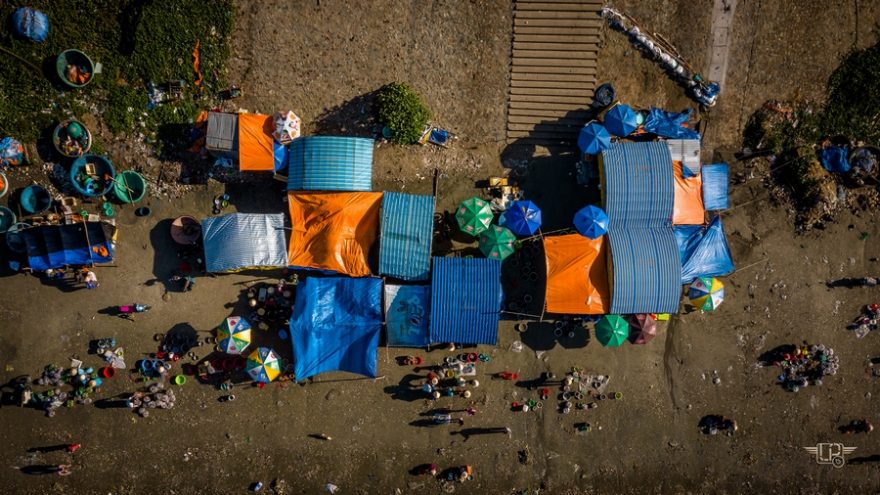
(165, 259)
(539, 336)
(355, 117)
(257, 197)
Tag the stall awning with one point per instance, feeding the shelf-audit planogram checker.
(244, 240)
(407, 229)
(330, 163)
(577, 275)
(646, 271)
(465, 300)
(57, 246)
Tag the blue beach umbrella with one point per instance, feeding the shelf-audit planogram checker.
(522, 218)
(621, 120)
(591, 221)
(593, 138)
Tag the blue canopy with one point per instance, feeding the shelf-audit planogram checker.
(406, 315)
(335, 325)
(593, 138)
(669, 124)
(621, 120)
(704, 252)
(244, 240)
(330, 163)
(465, 300)
(522, 218)
(591, 221)
(407, 229)
(57, 246)
(715, 180)
(31, 24)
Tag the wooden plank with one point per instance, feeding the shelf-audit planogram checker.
(564, 6)
(578, 84)
(586, 71)
(568, 23)
(532, 105)
(565, 31)
(556, 38)
(537, 119)
(569, 113)
(552, 62)
(562, 137)
(544, 127)
(586, 79)
(567, 100)
(556, 47)
(545, 14)
(596, 3)
(581, 93)
(554, 54)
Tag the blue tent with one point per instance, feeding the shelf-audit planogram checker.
(57, 246)
(335, 325)
(407, 229)
(591, 221)
(522, 218)
(330, 163)
(621, 120)
(406, 315)
(593, 138)
(465, 300)
(704, 252)
(715, 180)
(244, 240)
(669, 124)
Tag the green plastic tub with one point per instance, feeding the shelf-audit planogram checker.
(130, 186)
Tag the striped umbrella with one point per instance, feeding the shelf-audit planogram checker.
(706, 293)
(497, 242)
(263, 365)
(612, 330)
(234, 335)
(474, 216)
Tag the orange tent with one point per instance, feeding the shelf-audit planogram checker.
(577, 275)
(255, 149)
(333, 231)
(688, 204)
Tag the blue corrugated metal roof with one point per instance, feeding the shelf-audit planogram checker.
(639, 186)
(646, 270)
(405, 238)
(330, 163)
(244, 240)
(466, 300)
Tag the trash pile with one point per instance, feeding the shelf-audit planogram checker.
(864, 324)
(575, 389)
(806, 365)
(153, 396)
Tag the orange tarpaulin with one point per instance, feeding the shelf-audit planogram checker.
(688, 206)
(577, 275)
(333, 231)
(255, 150)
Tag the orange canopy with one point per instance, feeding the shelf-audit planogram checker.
(255, 150)
(333, 231)
(688, 206)
(577, 276)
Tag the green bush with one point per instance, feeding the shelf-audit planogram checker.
(402, 110)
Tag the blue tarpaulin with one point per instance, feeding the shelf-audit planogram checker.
(244, 240)
(406, 315)
(406, 231)
(669, 124)
(57, 246)
(465, 300)
(645, 271)
(330, 163)
(834, 159)
(30, 23)
(279, 153)
(704, 252)
(715, 180)
(335, 325)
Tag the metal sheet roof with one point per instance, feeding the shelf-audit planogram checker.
(407, 228)
(466, 300)
(330, 163)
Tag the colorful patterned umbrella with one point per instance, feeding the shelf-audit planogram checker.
(706, 293)
(474, 216)
(594, 138)
(497, 242)
(263, 365)
(591, 221)
(612, 330)
(644, 328)
(234, 335)
(621, 120)
(522, 218)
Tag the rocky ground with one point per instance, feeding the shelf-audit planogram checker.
(323, 59)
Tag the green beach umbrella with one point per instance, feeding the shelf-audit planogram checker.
(497, 242)
(612, 330)
(473, 216)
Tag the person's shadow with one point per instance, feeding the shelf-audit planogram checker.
(409, 389)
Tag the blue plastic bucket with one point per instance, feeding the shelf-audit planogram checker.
(96, 185)
(35, 199)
